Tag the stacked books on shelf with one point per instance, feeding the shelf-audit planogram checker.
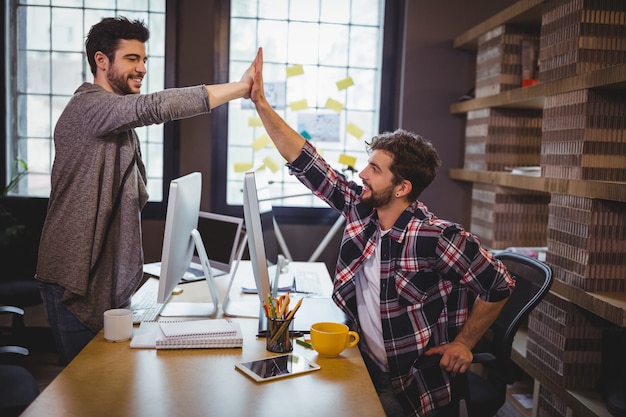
(580, 36)
(505, 59)
(587, 242)
(193, 334)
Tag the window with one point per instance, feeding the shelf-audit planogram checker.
(45, 63)
(323, 71)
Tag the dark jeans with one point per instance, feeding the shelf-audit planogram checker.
(70, 335)
(389, 401)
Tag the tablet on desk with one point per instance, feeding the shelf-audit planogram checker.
(276, 367)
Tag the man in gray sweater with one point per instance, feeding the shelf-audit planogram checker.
(90, 255)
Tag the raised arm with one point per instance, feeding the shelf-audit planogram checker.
(288, 142)
(223, 93)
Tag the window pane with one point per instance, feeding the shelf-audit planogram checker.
(38, 124)
(306, 10)
(243, 8)
(334, 45)
(272, 9)
(66, 35)
(67, 72)
(132, 4)
(321, 69)
(36, 17)
(335, 11)
(37, 72)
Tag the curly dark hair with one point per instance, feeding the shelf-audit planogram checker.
(414, 158)
(106, 35)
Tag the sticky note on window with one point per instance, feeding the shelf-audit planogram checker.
(243, 166)
(334, 105)
(345, 83)
(261, 143)
(347, 160)
(354, 130)
(255, 122)
(295, 70)
(299, 105)
(271, 164)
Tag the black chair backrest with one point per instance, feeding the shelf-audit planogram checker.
(533, 279)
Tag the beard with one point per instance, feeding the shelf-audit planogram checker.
(379, 198)
(119, 82)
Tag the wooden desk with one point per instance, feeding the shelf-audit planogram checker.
(111, 379)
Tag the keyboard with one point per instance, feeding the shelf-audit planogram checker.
(147, 314)
(307, 282)
(144, 304)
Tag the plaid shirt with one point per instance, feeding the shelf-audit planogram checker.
(428, 268)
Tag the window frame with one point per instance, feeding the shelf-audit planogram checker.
(388, 116)
(171, 153)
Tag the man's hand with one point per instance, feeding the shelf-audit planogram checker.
(455, 357)
(257, 92)
(248, 77)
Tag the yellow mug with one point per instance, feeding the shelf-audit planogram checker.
(330, 339)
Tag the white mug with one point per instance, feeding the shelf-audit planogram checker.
(118, 324)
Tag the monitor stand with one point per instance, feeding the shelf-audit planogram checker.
(248, 308)
(192, 309)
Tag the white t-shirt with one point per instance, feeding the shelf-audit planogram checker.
(368, 306)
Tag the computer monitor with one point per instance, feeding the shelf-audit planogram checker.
(259, 219)
(220, 234)
(179, 240)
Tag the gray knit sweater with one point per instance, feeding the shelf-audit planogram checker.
(95, 143)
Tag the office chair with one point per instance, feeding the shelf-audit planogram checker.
(485, 392)
(19, 386)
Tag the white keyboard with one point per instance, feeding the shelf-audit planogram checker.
(144, 304)
(148, 314)
(307, 282)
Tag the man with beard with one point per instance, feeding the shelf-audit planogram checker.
(90, 255)
(403, 277)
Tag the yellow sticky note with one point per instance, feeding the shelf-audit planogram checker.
(347, 160)
(243, 166)
(334, 105)
(261, 143)
(255, 122)
(295, 70)
(298, 105)
(345, 83)
(354, 130)
(271, 164)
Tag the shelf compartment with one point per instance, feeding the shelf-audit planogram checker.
(524, 12)
(606, 190)
(533, 97)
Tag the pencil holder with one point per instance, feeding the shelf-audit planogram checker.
(278, 339)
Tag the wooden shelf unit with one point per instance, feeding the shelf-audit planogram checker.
(608, 305)
(582, 402)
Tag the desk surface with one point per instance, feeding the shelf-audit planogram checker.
(111, 379)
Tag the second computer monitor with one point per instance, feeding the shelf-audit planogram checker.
(259, 219)
(220, 234)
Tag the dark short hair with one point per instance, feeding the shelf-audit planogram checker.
(414, 158)
(106, 35)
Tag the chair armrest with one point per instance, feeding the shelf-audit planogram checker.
(483, 357)
(11, 310)
(16, 350)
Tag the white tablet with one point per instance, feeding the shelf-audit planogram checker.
(267, 369)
